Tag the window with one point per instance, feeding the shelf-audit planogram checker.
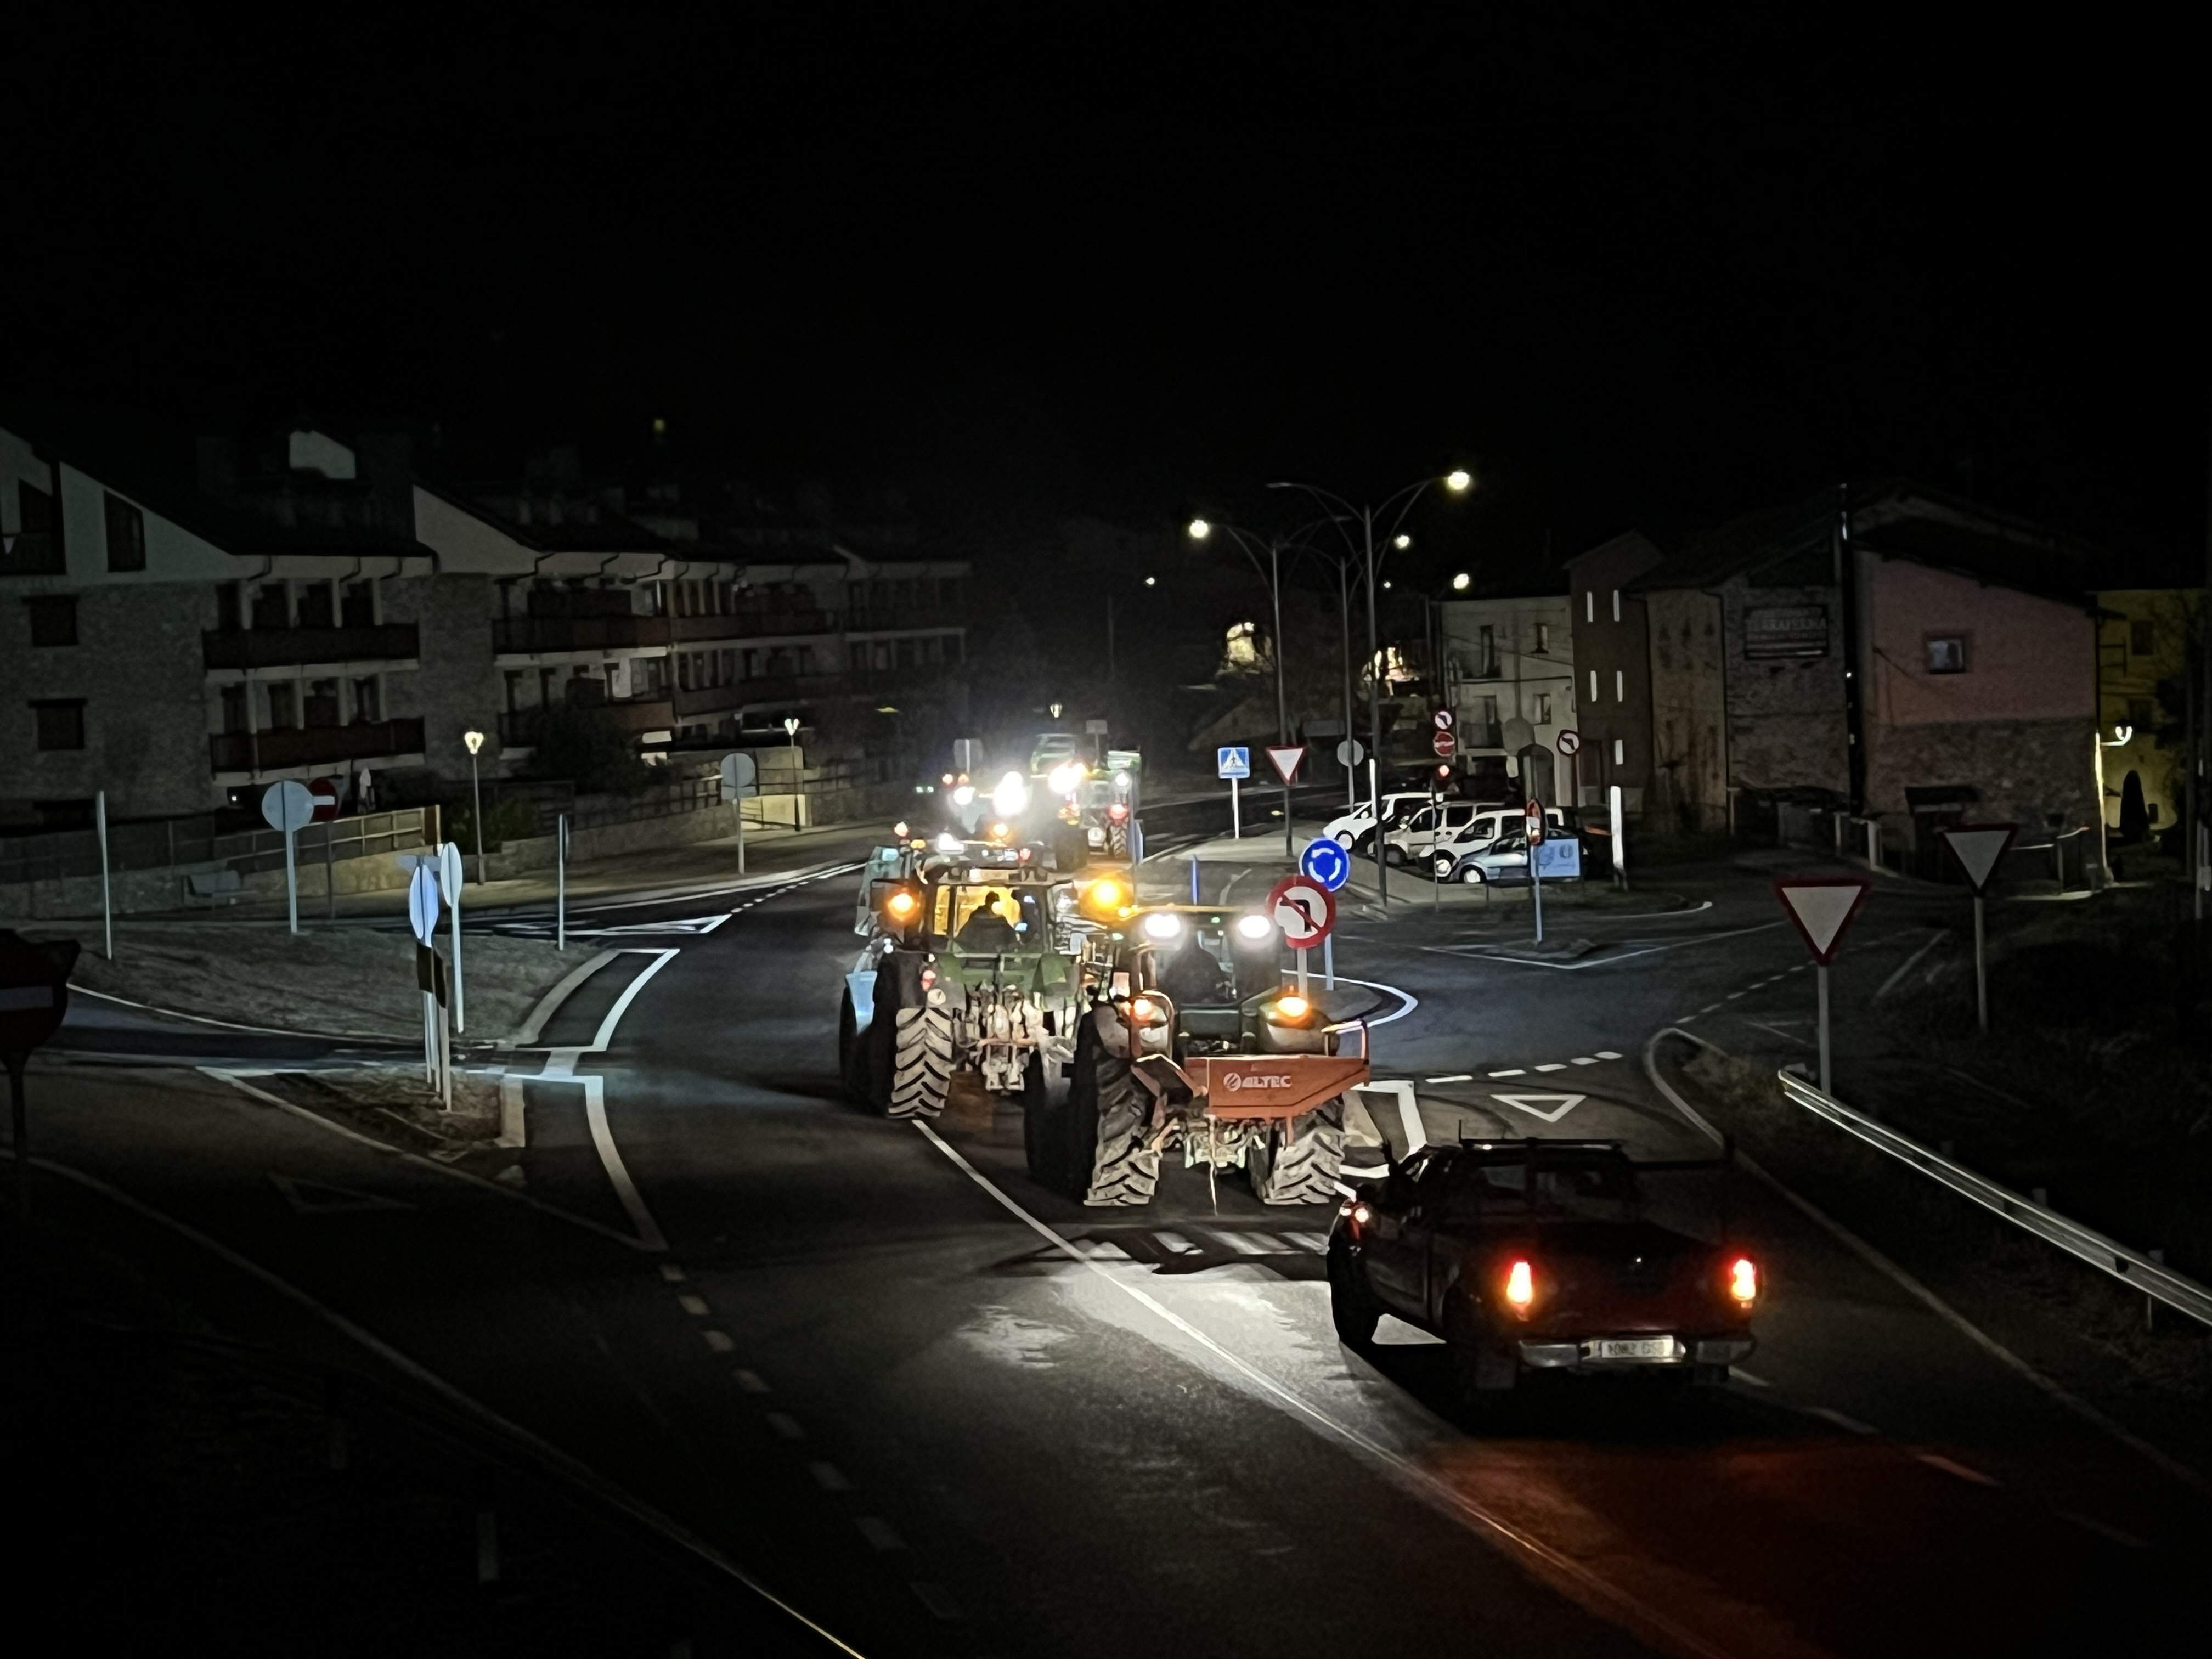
(2141, 638)
(322, 703)
(357, 603)
(1543, 638)
(233, 709)
(229, 611)
(1486, 653)
(1619, 686)
(284, 705)
(1486, 709)
(1593, 685)
(316, 609)
(1947, 654)
(514, 691)
(2142, 713)
(1616, 604)
(272, 606)
(53, 619)
(1543, 708)
(1620, 752)
(60, 723)
(126, 535)
(1590, 605)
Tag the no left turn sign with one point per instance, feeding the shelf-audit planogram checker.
(1303, 908)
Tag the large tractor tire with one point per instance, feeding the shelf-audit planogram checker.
(1305, 1171)
(1108, 1113)
(921, 1062)
(1044, 1124)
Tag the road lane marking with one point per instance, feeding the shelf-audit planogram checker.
(1405, 1469)
(1406, 1001)
(1455, 1076)
(560, 1463)
(749, 1382)
(606, 1032)
(672, 1274)
(1935, 1462)
(552, 1002)
(1482, 953)
(828, 1477)
(1606, 1054)
(1512, 1070)
(1176, 1244)
(1829, 1414)
(1552, 1066)
(878, 1533)
(718, 1340)
(1908, 965)
(2126, 1540)
(694, 1306)
(1583, 1060)
(611, 1159)
(1943, 1311)
(786, 1426)
(1252, 1243)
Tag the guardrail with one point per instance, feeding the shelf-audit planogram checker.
(2131, 1267)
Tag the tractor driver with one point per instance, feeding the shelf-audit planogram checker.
(987, 928)
(1193, 978)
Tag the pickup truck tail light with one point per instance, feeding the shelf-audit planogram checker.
(1520, 1287)
(1743, 1280)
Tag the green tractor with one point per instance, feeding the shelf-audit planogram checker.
(1193, 1042)
(972, 966)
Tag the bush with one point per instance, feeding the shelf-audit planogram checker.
(504, 821)
(586, 746)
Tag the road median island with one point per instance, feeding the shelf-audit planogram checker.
(351, 981)
(2070, 1322)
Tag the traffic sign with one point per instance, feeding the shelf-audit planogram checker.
(1326, 862)
(288, 805)
(1443, 743)
(1533, 813)
(1821, 908)
(1232, 762)
(423, 903)
(1569, 741)
(738, 773)
(1980, 848)
(35, 989)
(1286, 758)
(1442, 720)
(449, 873)
(1349, 753)
(1303, 908)
(326, 792)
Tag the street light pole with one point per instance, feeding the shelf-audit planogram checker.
(475, 741)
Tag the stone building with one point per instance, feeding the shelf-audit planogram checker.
(1509, 682)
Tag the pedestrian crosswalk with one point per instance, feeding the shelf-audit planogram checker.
(1188, 1247)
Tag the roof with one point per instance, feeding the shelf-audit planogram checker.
(605, 531)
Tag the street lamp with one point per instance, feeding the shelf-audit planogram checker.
(1459, 582)
(475, 741)
(1343, 514)
(791, 735)
(1249, 545)
(1401, 541)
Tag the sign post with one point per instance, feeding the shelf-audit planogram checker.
(1235, 764)
(1286, 758)
(1349, 754)
(561, 875)
(1980, 848)
(1327, 863)
(326, 792)
(1306, 912)
(422, 918)
(33, 997)
(106, 900)
(1821, 908)
(288, 807)
(1620, 843)
(1533, 817)
(449, 880)
(739, 775)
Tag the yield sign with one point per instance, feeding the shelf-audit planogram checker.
(1550, 1108)
(1287, 758)
(1979, 848)
(1822, 907)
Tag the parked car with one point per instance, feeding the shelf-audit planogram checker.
(1537, 1256)
(1485, 825)
(1355, 830)
(1504, 860)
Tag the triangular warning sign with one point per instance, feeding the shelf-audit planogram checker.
(1979, 848)
(319, 1198)
(1822, 907)
(1286, 758)
(1550, 1108)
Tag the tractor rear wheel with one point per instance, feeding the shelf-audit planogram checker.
(1305, 1171)
(921, 1062)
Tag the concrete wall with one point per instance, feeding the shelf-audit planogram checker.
(1689, 712)
(1786, 725)
(2025, 772)
(2028, 658)
(137, 666)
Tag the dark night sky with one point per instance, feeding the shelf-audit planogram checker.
(1041, 261)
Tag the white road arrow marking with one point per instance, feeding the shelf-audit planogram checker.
(320, 1198)
(1550, 1108)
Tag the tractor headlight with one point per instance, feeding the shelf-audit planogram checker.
(1163, 924)
(1255, 927)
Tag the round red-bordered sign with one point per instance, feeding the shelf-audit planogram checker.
(1304, 910)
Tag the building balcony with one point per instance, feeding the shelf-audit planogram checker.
(290, 648)
(519, 727)
(32, 553)
(893, 619)
(756, 622)
(312, 745)
(530, 635)
(763, 690)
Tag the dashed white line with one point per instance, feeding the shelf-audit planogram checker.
(1851, 1424)
(1959, 1469)
(1553, 1066)
(749, 1382)
(671, 1273)
(1455, 1077)
(718, 1340)
(878, 1533)
(694, 1306)
(1515, 1071)
(786, 1426)
(1251, 1243)
(1606, 1054)
(1709, 1008)
(828, 1477)
(1583, 1060)
(2126, 1540)
(1732, 996)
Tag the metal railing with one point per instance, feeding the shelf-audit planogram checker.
(194, 843)
(287, 647)
(312, 745)
(2131, 1267)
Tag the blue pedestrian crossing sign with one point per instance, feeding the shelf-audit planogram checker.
(1233, 763)
(1326, 862)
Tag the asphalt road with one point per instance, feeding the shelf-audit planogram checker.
(942, 1411)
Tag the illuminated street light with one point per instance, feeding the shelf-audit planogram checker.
(1152, 581)
(1401, 541)
(1459, 481)
(1459, 582)
(475, 741)
(1199, 530)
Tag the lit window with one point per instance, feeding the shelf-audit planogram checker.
(1543, 708)
(1543, 638)
(1593, 685)
(1947, 654)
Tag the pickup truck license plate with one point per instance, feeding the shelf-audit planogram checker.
(1635, 1347)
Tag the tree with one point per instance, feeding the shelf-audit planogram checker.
(586, 746)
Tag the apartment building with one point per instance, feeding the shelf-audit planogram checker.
(180, 626)
(1509, 665)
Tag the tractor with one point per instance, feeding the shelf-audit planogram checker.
(973, 965)
(1194, 1042)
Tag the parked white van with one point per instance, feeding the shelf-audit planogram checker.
(1482, 826)
(1354, 829)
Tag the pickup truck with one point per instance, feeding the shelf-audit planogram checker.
(1538, 1256)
